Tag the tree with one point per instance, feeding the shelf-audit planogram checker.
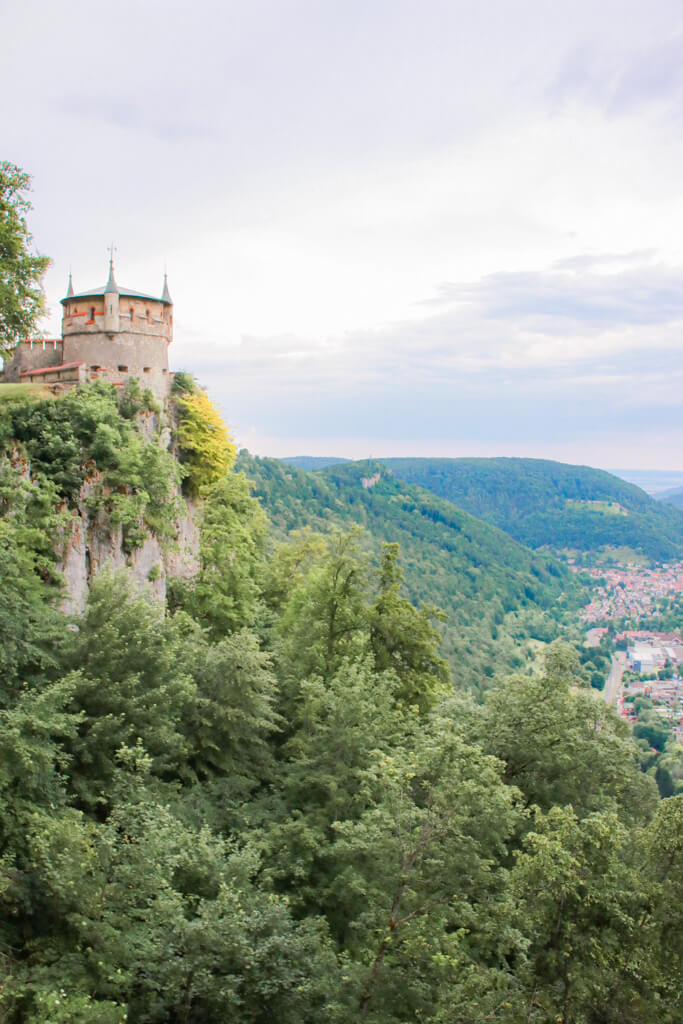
(403, 637)
(563, 746)
(224, 594)
(21, 293)
(205, 449)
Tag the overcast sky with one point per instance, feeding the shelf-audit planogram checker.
(432, 227)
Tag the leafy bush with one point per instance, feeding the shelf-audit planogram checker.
(183, 383)
(204, 447)
(69, 439)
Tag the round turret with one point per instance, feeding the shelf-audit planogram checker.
(119, 333)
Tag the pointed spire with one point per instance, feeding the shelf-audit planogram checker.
(111, 283)
(166, 295)
(70, 289)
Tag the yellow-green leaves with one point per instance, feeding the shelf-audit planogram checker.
(206, 449)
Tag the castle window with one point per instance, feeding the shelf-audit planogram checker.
(130, 312)
(147, 313)
(123, 369)
(146, 369)
(92, 313)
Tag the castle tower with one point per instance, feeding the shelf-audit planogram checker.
(111, 302)
(119, 333)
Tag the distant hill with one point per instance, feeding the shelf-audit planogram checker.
(551, 504)
(311, 462)
(674, 497)
(496, 593)
(653, 481)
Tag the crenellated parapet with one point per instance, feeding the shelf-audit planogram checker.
(110, 332)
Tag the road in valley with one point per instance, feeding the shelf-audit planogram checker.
(614, 678)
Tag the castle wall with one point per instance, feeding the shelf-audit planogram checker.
(117, 336)
(149, 317)
(32, 355)
(120, 356)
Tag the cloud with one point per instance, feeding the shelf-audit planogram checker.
(622, 80)
(608, 343)
(130, 115)
(310, 172)
(553, 301)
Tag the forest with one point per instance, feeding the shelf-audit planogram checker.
(499, 600)
(265, 796)
(553, 505)
(265, 800)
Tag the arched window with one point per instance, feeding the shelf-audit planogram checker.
(130, 311)
(92, 314)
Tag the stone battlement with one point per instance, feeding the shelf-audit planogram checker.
(109, 332)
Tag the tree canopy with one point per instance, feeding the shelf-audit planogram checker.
(21, 270)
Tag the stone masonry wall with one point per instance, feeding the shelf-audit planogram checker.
(32, 355)
(123, 355)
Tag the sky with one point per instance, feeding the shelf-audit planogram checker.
(391, 227)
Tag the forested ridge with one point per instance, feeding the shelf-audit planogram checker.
(497, 596)
(552, 504)
(264, 801)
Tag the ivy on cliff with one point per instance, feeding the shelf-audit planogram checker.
(92, 434)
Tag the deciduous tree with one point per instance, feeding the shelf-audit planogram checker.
(21, 271)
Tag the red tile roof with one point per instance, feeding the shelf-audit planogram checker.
(52, 369)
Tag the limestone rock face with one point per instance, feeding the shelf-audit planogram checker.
(182, 561)
(92, 542)
(73, 567)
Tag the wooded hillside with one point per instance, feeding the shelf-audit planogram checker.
(552, 504)
(497, 595)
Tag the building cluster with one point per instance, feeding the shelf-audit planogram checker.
(630, 591)
(109, 333)
(651, 653)
(667, 702)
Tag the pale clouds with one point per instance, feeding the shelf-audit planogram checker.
(585, 361)
(422, 223)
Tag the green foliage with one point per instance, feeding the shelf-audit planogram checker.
(192, 826)
(184, 383)
(542, 503)
(334, 608)
(84, 435)
(562, 746)
(404, 639)
(224, 593)
(26, 617)
(495, 594)
(134, 400)
(130, 681)
(204, 447)
(21, 293)
(263, 802)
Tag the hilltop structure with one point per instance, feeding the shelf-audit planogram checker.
(108, 332)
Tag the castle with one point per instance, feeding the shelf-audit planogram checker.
(109, 332)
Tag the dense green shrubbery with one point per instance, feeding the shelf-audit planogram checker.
(290, 818)
(205, 450)
(543, 503)
(90, 434)
(266, 803)
(496, 595)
